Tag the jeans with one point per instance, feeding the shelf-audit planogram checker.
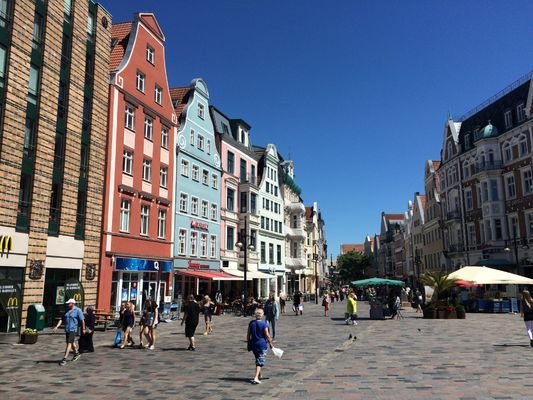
(272, 324)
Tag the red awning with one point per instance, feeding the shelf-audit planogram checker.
(214, 275)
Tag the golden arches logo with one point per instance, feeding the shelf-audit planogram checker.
(12, 302)
(77, 296)
(6, 243)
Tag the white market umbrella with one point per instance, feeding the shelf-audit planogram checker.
(486, 276)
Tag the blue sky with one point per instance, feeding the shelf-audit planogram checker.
(356, 92)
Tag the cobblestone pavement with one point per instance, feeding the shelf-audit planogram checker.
(486, 356)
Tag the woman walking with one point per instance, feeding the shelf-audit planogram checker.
(190, 319)
(258, 340)
(148, 324)
(85, 343)
(526, 311)
(207, 305)
(325, 304)
(128, 322)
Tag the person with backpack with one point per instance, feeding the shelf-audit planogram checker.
(271, 310)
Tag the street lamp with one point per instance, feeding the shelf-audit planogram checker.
(316, 257)
(244, 245)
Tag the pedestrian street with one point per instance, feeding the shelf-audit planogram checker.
(485, 356)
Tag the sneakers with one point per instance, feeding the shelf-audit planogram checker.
(76, 356)
(255, 381)
(63, 361)
(354, 323)
(151, 347)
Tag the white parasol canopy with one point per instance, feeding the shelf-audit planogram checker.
(486, 275)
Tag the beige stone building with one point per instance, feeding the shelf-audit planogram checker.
(53, 89)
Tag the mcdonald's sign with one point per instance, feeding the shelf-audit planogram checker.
(13, 302)
(77, 297)
(6, 243)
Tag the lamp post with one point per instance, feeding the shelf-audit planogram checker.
(515, 248)
(316, 258)
(244, 245)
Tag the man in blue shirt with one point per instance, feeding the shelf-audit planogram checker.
(72, 318)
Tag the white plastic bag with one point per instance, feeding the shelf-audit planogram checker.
(277, 352)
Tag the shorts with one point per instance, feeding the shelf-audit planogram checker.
(208, 317)
(260, 358)
(353, 317)
(70, 337)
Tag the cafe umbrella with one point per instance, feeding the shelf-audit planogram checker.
(377, 282)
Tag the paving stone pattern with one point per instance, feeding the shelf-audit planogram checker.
(486, 356)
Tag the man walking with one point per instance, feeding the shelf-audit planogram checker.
(271, 314)
(351, 309)
(72, 319)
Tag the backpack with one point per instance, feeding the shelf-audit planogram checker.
(269, 309)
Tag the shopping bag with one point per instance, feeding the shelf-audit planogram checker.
(118, 338)
(277, 352)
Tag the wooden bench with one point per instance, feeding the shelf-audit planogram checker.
(104, 317)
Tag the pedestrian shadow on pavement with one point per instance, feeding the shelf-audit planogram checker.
(173, 349)
(47, 361)
(231, 379)
(511, 345)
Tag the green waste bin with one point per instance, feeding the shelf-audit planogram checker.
(35, 317)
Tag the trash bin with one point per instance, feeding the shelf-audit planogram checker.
(35, 317)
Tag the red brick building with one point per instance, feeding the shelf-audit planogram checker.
(136, 251)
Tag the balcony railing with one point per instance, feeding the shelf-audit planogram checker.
(456, 248)
(489, 165)
(452, 215)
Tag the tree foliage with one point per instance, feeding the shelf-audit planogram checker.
(439, 281)
(351, 266)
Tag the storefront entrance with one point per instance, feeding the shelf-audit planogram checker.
(10, 298)
(55, 289)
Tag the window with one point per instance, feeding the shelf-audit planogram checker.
(203, 245)
(213, 246)
(200, 142)
(468, 200)
(271, 253)
(194, 205)
(145, 219)
(466, 170)
(214, 181)
(243, 202)
(150, 54)
(231, 163)
(529, 218)
(147, 170)
(494, 195)
(161, 224)
(127, 161)
(294, 223)
(125, 208)
(163, 177)
(263, 252)
(294, 249)
(148, 128)
(511, 188)
(513, 226)
(90, 26)
(181, 242)
(214, 212)
(520, 112)
(33, 84)
(158, 95)
(129, 117)
(139, 81)
(205, 208)
(200, 111)
(3, 52)
(485, 191)
(508, 119)
(507, 153)
(184, 202)
(472, 234)
(195, 172)
(164, 138)
(522, 144)
(225, 128)
(205, 177)
(230, 238)
(230, 199)
(527, 181)
(262, 222)
(208, 146)
(498, 229)
(253, 203)
(37, 35)
(194, 243)
(4, 11)
(192, 137)
(185, 167)
(243, 166)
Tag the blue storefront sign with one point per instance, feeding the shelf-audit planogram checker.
(140, 264)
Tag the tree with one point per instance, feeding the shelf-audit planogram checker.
(351, 266)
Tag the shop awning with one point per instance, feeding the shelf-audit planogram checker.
(252, 275)
(213, 275)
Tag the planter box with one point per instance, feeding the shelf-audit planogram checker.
(461, 314)
(430, 313)
(28, 339)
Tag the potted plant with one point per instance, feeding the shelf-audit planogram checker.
(29, 336)
(428, 310)
(460, 311)
(450, 312)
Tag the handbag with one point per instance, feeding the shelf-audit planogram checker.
(118, 337)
